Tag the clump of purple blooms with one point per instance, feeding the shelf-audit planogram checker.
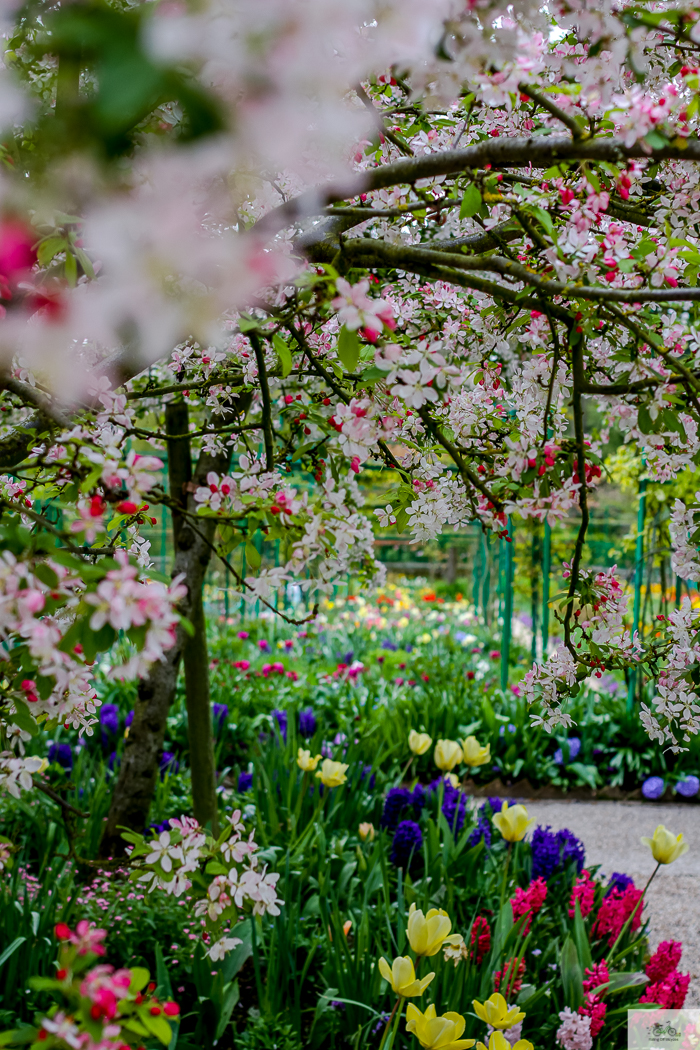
(688, 787)
(280, 717)
(454, 803)
(168, 764)
(554, 849)
(573, 745)
(398, 800)
(109, 723)
(307, 722)
(407, 844)
(245, 782)
(62, 754)
(220, 714)
(653, 788)
(618, 881)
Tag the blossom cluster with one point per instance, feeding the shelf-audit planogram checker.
(222, 875)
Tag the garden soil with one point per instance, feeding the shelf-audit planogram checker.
(611, 832)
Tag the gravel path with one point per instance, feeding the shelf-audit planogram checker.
(611, 832)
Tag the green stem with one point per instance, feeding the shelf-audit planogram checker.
(639, 903)
(397, 1004)
(505, 873)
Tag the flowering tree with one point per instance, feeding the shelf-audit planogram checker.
(439, 237)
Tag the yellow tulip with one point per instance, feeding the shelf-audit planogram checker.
(496, 1013)
(306, 762)
(474, 754)
(512, 822)
(666, 847)
(332, 773)
(419, 742)
(448, 754)
(402, 976)
(498, 1041)
(427, 933)
(366, 831)
(452, 779)
(437, 1033)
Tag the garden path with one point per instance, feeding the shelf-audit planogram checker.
(611, 832)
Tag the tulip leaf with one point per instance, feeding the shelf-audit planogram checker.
(583, 948)
(348, 348)
(571, 974)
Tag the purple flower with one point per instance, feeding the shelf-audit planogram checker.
(552, 850)
(307, 722)
(496, 805)
(158, 828)
(397, 800)
(280, 717)
(220, 712)
(129, 719)
(481, 831)
(367, 772)
(243, 635)
(109, 722)
(245, 782)
(264, 645)
(386, 644)
(653, 788)
(114, 762)
(688, 787)
(618, 881)
(168, 764)
(574, 746)
(407, 844)
(454, 803)
(62, 754)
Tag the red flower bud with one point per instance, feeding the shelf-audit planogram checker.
(62, 931)
(171, 1009)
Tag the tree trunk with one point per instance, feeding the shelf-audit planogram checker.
(138, 773)
(199, 721)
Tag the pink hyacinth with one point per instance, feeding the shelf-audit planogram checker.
(595, 1008)
(664, 961)
(614, 912)
(529, 900)
(670, 993)
(584, 893)
(595, 976)
(575, 1031)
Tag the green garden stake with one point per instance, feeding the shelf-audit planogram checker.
(546, 570)
(486, 594)
(533, 595)
(638, 573)
(242, 605)
(507, 604)
(679, 585)
(477, 573)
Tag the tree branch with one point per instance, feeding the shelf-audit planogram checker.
(546, 103)
(266, 404)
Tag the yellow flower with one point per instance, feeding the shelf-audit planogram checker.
(512, 823)
(402, 976)
(452, 779)
(448, 754)
(306, 762)
(44, 766)
(437, 1033)
(499, 1042)
(666, 847)
(366, 831)
(419, 742)
(474, 754)
(428, 933)
(496, 1013)
(332, 773)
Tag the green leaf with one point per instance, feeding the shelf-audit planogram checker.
(71, 269)
(252, 555)
(247, 324)
(644, 421)
(284, 354)
(46, 574)
(471, 202)
(348, 348)
(23, 717)
(11, 948)
(50, 248)
(571, 975)
(583, 948)
(139, 978)
(158, 1027)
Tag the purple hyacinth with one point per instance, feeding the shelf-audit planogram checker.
(407, 844)
(159, 828)
(62, 754)
(496, 805)
(280, 717)
(129, 719)
(391, 646)
(688, 787)
(574, 746)
(398, 801)
(553, 849)
(245, 782)
(653, 788)
(220, 714)
(481, 831)
(372, 777)
(307, 722)
(109, 722)
(618, 881)
(113, 762)
(168, 764)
